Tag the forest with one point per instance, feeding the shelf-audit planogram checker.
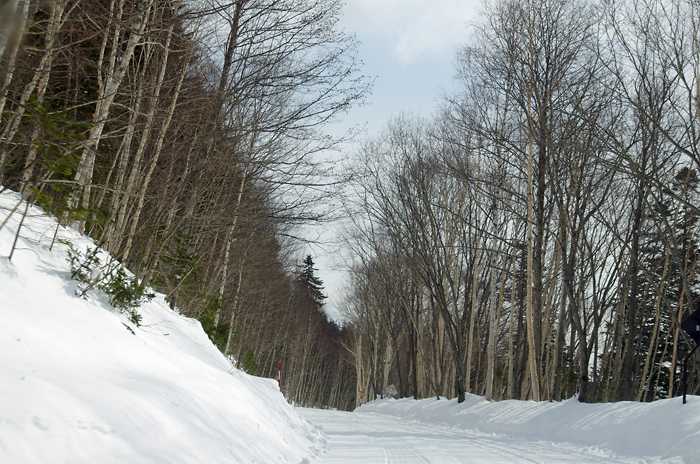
(185, 138)
(535, 238)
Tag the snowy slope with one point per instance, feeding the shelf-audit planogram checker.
(77, 386)
(664, 429)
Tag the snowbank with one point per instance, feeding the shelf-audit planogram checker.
(77, 386)
(663, 429)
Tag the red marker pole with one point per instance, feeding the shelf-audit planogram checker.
(279, 375)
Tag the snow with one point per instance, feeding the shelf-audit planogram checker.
(377, 438)
(665, 430)
(77, 386)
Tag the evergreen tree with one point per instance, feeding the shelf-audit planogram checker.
(312, 284)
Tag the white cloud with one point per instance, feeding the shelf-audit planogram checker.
(411, 27)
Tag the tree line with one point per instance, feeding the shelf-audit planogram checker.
(184, 137)
(538, 236)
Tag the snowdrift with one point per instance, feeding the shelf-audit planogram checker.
(76, 385)
(664, 429)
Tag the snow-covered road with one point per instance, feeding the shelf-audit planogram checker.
(371, 438)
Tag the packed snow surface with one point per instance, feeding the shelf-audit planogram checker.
(480, 431)
(377, 438)
(77, 386)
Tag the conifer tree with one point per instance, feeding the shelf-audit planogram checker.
(312, 284)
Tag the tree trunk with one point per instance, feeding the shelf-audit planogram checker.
(21, 26)
(490, 365)
(56, 22)
(533, 365)
(111, 86)
(511, 323)
(632, 309)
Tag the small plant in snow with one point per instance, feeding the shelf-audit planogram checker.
(84, 267)
(124, 292)
(249, 364)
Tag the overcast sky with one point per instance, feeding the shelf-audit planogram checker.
(408, 47)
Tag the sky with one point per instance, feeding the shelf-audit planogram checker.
(408, 47)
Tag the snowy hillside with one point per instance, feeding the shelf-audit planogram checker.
(76, 385)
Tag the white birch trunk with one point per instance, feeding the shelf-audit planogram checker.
(511, 322)
(111, 86)
(490, 350)
(235, 305)
(56, 21)
(13, 55)
(472, 314)
(532, 355)
(158, 148)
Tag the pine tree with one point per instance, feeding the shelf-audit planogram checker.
(312, 284)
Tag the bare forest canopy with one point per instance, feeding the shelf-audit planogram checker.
(184, 137)
(538, 236)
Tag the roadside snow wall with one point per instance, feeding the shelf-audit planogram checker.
(664, 428)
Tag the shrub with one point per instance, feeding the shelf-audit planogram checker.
(82, 267)
(124, 292)
(218, 333)
(249, 364)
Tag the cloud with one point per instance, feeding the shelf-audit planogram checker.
(411, 27)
